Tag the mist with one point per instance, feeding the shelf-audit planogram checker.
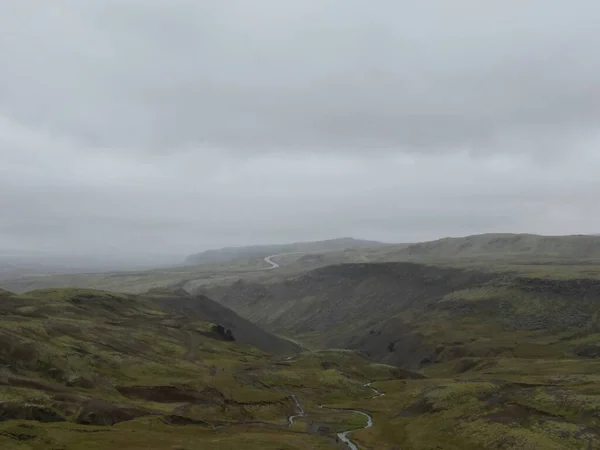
(143, 131)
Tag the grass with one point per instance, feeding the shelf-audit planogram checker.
(506, 351)
(509, 357)
(102, 370)
(150, 433)
(461, 414)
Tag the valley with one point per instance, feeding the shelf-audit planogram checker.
(357, 348)
(82, 369)
(311, 225)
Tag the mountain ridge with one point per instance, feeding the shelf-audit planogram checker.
(501, 245)
(387, 309)
(260, 251)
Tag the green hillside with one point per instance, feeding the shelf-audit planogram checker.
(511, 360)
(401, 312)
(558, 256)
(503, 363)
(576, 248)
(84, 369)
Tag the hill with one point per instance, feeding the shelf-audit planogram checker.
(486, 247)
(562, 256)
(388, 309)
(522, 351)
(262, 251)
(82, 369)
(506, 362)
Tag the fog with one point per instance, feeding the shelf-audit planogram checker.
(147, 130)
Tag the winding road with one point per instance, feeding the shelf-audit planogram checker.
(273, 265)
(343, 435)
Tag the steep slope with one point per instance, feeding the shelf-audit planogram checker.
(511, 361)
(182, 304)
(261, 251)
(359, 306)
(412, 314)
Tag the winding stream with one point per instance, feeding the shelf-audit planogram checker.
(343, 435)
(377, 393)
(299, 408)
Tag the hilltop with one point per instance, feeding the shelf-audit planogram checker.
(262, 251)
(506, 246)
(561, 256)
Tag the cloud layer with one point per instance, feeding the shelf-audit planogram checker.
(165, 127)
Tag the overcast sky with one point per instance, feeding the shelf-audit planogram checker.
(166, 127)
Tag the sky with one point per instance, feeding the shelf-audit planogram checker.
(150, 127)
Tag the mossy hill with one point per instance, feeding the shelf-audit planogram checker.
(511, 361)
(468, 359)
(83, 369)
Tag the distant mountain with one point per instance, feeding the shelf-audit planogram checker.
(15, 265)
(500, 246)
(261, 251)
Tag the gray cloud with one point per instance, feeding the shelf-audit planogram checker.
(145, 126)
(264, 75)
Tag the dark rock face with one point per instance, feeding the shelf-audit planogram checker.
(577, 287)
(99, 412)
(465, 364)
(221, 333)
(588, 351)
(17, 411)
(231, 327)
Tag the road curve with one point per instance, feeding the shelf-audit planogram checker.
(269, 260)
(274, 265)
